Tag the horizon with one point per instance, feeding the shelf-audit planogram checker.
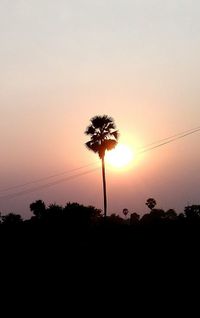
(63, 63)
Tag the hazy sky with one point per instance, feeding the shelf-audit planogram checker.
(64, 61)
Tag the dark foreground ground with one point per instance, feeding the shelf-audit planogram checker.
(92, 261)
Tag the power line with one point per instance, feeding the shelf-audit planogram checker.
(144, 149)
(47, 185)
(169, 141)
(46, 178)
(170, 137)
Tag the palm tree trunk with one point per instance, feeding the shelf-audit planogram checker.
(104, 186)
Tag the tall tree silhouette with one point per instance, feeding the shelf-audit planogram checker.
(103, 136)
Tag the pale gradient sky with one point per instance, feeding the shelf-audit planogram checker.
(62, 62)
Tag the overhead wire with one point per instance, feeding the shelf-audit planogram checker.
(149, 147)
(47, 185)
(21, 185)
(168, 141)
(170, 137)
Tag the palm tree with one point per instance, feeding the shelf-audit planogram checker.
(151, 203)
(103, 136)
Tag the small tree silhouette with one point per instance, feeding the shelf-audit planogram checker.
(38, 208)
(151, 203)
(125, 212)
(134, 218)
(192, 211)
(103, 136)
(12, 219)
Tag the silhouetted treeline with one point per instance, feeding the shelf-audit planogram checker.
(85, 226)
(75, 214)
(77, 242)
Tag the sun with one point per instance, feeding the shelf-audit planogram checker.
(120, 157)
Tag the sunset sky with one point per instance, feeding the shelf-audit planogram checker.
(64, 61)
